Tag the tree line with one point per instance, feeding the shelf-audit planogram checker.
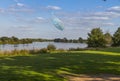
(15, 40)
(65, 40)
(96, 38)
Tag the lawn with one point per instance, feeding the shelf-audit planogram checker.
(51, 67)
(112, 49)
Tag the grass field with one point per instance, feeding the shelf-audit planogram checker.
(51, 67)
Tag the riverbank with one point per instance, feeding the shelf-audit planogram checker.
(53, 49)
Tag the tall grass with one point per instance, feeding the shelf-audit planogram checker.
(23, 52)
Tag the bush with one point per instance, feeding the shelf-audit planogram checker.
(34, 51)
(15, 52)
(38, 51)
(43, 50)
(51, 47)
(24, 52)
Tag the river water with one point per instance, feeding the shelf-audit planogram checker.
(39, 45)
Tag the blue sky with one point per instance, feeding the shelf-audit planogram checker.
(32, 18)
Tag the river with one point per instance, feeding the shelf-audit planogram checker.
(39, 45)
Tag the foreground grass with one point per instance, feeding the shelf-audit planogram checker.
(50, 67)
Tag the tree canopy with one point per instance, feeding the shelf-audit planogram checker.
(96, 38)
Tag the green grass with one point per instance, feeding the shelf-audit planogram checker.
(50, 67)
(112, 49)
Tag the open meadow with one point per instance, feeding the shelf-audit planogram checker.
(56, 65)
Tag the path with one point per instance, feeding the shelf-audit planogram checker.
(106, 77)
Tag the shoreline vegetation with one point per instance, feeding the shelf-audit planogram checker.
(52, 49)
(49, 48)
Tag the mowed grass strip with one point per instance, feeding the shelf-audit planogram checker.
(50, 67)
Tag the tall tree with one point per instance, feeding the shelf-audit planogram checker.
(96, 38)
(116, 38)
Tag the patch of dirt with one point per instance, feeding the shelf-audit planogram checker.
(102, 77)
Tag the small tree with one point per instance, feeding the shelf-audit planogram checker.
(116, 38)
(96, 38)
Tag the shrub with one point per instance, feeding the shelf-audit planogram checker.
(51, 47)
(24, 52)
(43, 50)
(34, 51)
(15, 52)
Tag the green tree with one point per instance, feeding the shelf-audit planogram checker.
(116, 38)
(96, 38)
(108, 39)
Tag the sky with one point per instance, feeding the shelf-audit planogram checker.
(33, 18)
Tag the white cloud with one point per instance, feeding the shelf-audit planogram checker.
(20, 4)
(24, 10)
(114, 9)
(108, 24)
(96, 18)
(36, 20)
(19, 7)
(53, 7)
(107, 14)
(22, 28)
(40, 18)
